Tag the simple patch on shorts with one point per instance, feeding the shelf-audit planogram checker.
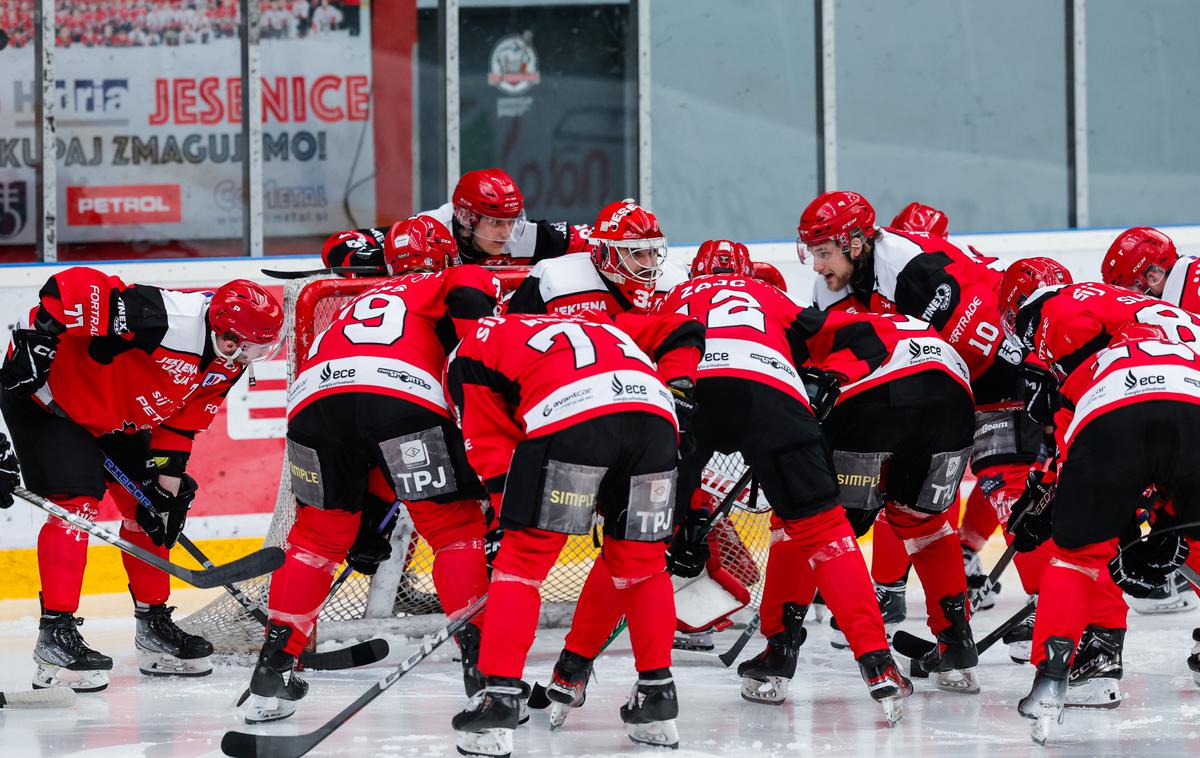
(305, 466)
(569, 497)
(859, 476)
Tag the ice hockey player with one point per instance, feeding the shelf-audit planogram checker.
(487, 215)
(751, 399)
(626, 270)
(368, 397)
(132, 372)
(926, 277)
(1140, 388)
(901, 430)
(565, 418)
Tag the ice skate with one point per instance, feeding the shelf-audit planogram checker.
(891, 606)
(1193, 660)
(885, 683)
(952, 663)
(63, 658)
(468, 639)
(274, 686)
(163, 649)
(766, 678)
(819, 609)
(694, 642)
(1047, 698)
(653, 706)
(1174, 596)
(485, 727)
(982, 595)
(1020, 638)
(1096, 671)
(568, 686)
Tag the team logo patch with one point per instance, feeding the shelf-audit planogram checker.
(414, 454)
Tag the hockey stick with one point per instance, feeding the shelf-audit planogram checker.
(915, 648)
(275, 274)
(731, 655)
(53, 697)
(342, 577)
(246, 745)
(247, 567)
(361, 654)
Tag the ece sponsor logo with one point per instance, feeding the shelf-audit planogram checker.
(623, 390)
(330, 374)
(129, 204)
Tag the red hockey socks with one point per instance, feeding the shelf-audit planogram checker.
(978, 522)
(936, 554)
(889, 561)
(62, 554)
(1071, 588)
(514, 598)
(597, 612)
(317, 543)
(455, 534)
(148, 584)
(788, 579)
(827, 542)
(1002, 485)
(639, 572)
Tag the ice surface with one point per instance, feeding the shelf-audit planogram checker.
(829, 712)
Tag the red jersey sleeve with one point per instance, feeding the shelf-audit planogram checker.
(484, 403)
(674, 342)
(471, 294)
(79, 301)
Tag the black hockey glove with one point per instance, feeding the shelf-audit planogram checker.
(10, 472)
(372, 546)
(684, 392)
(822, 388)
(27, 368)
(1039, 389)
(689, 550)
(1031, 521)
(1143, 566)
(164, 520)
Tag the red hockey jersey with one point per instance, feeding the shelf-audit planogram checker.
(1130, 371)
(929, 278)
(132, 357)
(866, 350)
(393, 338)
(517, 377)
(746, 324)
(1065, 326)
(571, 284)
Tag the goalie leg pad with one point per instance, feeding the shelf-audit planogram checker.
(707, 600)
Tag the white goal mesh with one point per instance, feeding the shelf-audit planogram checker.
(401, 596)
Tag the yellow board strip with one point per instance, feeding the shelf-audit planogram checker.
(105, 571)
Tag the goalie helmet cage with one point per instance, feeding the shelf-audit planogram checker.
(401, 598)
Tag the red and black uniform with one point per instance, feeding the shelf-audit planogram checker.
(135, 377)
(750, 399)
(565, 417)
(956, 291)
(572, 283)
(902, 430)
(368, 424)
(1130, 420)
(530, 243)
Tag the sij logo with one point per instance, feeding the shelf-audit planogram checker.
(14, 208)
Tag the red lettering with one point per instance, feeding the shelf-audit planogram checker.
(275, 99)
(185, 101)
(299, 106)
(233, 99)
(162, 103)
(358, 95)
(317, 98)
(209, 87)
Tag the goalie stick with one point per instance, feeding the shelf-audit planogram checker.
(52, 697)
(915, 648)
(243, 745)
(362, 654)
(247, 567)
(276, 274)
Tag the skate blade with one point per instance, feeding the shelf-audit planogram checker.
(655, 733)
(960, 681)
(47, 677)
(1020, 652)
(558, 715)
(1041, 729)
(1095, 694)
(893, 710)
(490, 743)
(262, 710)
(1196, 678)
(770, 691)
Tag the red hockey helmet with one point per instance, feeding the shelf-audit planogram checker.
(722, 257)
(487, 193)
(1020, 281)
(419, 242)
(627, 244)
(838, 216)
(248, 312)
(1137, 256)
(922, 218)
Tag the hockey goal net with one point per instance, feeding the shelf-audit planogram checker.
(400, 597)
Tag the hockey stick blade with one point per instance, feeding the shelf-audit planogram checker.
(53, 697)
(256, 564)
(362, 654)
(275, 274)
(915, 648)
(731, 655)
(243, 745)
